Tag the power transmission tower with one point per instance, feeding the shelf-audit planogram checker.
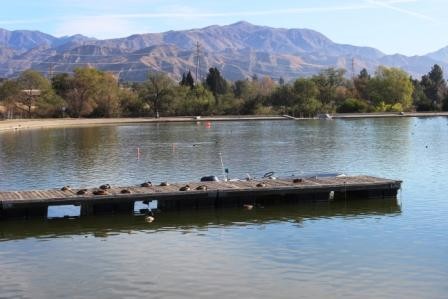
(353, 68)
(50, 71)
(198, 51)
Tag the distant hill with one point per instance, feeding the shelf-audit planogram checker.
(239, 50)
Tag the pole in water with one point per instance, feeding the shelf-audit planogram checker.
(223, 169)
(138, 153)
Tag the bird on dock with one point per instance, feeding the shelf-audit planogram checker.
(66, 188)
(201, 187)
(99, 192)
(164, 184)
(146, 184)
(185, 188)
(125, 191)
(105, 187)
(261, 185)
(295, 181)
(81, 192)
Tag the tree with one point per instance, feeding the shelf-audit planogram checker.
(306, 92)
(391, 89)
(215, 82)
(61, 84)
(108, 97)
(9, 93)
(419, 98)
(434, 87)
(361, 82)
(327, 81)
(33, 84)
(157, 92)
(187, 80)
(83, 92)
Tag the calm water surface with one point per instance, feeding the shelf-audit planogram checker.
(362, 249)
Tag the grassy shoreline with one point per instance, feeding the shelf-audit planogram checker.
(20, 124)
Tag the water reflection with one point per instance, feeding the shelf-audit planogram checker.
(103, 226)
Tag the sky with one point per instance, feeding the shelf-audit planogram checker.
(410, 27)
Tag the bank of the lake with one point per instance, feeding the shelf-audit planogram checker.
(21, 124)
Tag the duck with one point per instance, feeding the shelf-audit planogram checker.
(149, 219)
(185, 188)
(66, 188)
(81, 192)
(295, 181)
(248, 206)
(201, 187)
(146, 184)
(105, 187)
(164, 184)
(261, 185)
(99, 192)
(125, 191)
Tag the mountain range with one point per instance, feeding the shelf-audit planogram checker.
(239, 51)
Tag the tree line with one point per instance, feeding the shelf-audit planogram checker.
(88, 92)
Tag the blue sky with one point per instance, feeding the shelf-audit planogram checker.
(393, 26)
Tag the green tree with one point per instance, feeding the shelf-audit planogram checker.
(306, 94)
(434, 87)
(130, 103)
(84, 89)
(353, 105)
(108, 97)
(157, 91)
(327, 81)
(9, 94)
(419, 98)
(215, 82)
(361, 82)
(33, 84)
(61, 84)
(391, 89)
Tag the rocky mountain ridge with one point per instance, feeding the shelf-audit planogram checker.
(239, 50)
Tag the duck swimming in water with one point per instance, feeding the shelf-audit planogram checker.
(248, 206)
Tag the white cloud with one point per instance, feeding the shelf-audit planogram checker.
(389, 5)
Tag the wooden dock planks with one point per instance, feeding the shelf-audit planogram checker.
(214, 189)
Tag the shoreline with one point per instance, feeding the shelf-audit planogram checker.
(22, 124)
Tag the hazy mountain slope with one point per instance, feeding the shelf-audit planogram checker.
(440, 55)
(239, 50)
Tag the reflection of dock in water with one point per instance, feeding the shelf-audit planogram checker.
(109, 225)
(197, 195)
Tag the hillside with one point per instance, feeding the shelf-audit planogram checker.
(239, 50)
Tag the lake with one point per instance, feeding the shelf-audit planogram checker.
(351, 249)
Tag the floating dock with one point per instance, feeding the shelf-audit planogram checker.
(197, 195)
